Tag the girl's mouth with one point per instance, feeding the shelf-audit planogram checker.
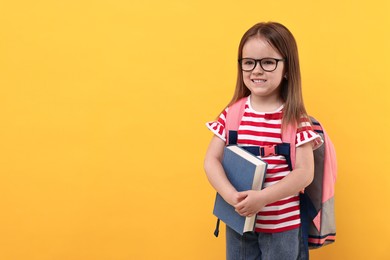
(259, 80)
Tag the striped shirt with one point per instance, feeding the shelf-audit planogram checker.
(263, 129)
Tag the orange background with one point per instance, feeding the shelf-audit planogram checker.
(103, 105)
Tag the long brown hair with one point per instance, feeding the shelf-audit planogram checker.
(291, 90)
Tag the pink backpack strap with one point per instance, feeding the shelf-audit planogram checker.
(330, 169)
(288, 136)
(234, 116)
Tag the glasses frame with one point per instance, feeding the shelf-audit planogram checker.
(259, 61)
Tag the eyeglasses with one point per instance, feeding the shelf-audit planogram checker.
(267, 64)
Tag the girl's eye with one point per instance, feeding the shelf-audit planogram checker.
(248, 62)
(268, 62)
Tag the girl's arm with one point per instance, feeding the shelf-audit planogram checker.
(216, 174)
(253, 201)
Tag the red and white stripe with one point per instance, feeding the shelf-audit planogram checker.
(218, 127)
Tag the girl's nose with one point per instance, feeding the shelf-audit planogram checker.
(258, 68)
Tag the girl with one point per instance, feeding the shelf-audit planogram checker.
(269, 75)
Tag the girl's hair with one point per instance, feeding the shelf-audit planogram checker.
(291, 91)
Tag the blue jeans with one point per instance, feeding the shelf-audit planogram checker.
(264, 246)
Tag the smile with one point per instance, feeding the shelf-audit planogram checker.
(259, 80)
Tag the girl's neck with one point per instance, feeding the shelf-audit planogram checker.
(265, 104)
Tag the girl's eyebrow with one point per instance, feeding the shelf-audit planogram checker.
(267, 57)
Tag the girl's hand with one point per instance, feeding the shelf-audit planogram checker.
(234, 198)
(250, 204)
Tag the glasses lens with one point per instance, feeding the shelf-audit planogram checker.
(248, 64)
(268, 64)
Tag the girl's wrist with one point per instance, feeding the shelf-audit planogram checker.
(232, 197)
(264, 196)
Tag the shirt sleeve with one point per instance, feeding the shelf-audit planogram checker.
(306, 134)
(218, 126)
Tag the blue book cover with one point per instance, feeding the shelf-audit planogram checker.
(245, 172)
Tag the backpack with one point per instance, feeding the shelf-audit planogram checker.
(317, 201)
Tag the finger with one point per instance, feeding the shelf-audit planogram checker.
(242, 213)
(242, 195)
(242, 202)
(245, 214)
(240, 206)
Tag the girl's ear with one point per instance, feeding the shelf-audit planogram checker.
(285, 76)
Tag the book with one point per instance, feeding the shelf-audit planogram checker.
(245, 172)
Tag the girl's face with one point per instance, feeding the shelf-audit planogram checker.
(261, 83)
